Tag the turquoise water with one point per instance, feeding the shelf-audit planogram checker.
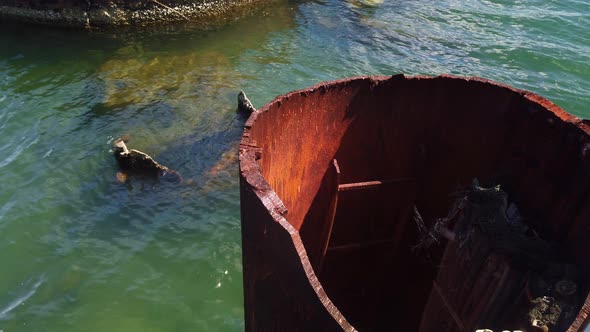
(80, 251)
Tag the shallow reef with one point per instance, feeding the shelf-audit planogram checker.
(143, 81)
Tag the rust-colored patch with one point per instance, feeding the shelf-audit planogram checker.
(354, 264)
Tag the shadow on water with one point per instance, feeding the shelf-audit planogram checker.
(207, 156)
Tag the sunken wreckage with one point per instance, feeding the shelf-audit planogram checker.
(360, 209)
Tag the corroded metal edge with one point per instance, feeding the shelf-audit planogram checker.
(542, 101)
(250, 171)
(581, 320)
(582, 124)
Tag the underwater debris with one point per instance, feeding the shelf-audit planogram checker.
(137, 162)
(487, 211)
(545, 312)
(483, 223)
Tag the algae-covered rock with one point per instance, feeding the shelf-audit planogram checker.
(136, 162)
(101, 13)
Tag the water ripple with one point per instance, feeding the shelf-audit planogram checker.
(22, 298)
(24, 144)
(4, 209)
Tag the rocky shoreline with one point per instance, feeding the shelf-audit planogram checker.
(105, 13)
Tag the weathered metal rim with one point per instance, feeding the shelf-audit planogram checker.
(250, 170)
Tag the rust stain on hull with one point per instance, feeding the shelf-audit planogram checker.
(329, 177)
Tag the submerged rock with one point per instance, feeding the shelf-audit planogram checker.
(139, 163)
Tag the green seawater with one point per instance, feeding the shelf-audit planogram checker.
(80, 251)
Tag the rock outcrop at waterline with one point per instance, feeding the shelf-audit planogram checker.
(134, 162)
(101, 13)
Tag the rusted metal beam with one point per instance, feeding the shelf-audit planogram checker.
(448, 306)
(371, 184)
(361, 245)
(331, 215)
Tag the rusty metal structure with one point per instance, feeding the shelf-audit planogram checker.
(329, 177)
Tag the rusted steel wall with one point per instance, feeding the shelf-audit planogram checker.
(299, 141)
(421, 138)
(281, 291)
(278, 294)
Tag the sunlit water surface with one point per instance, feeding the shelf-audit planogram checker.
(80, 251)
